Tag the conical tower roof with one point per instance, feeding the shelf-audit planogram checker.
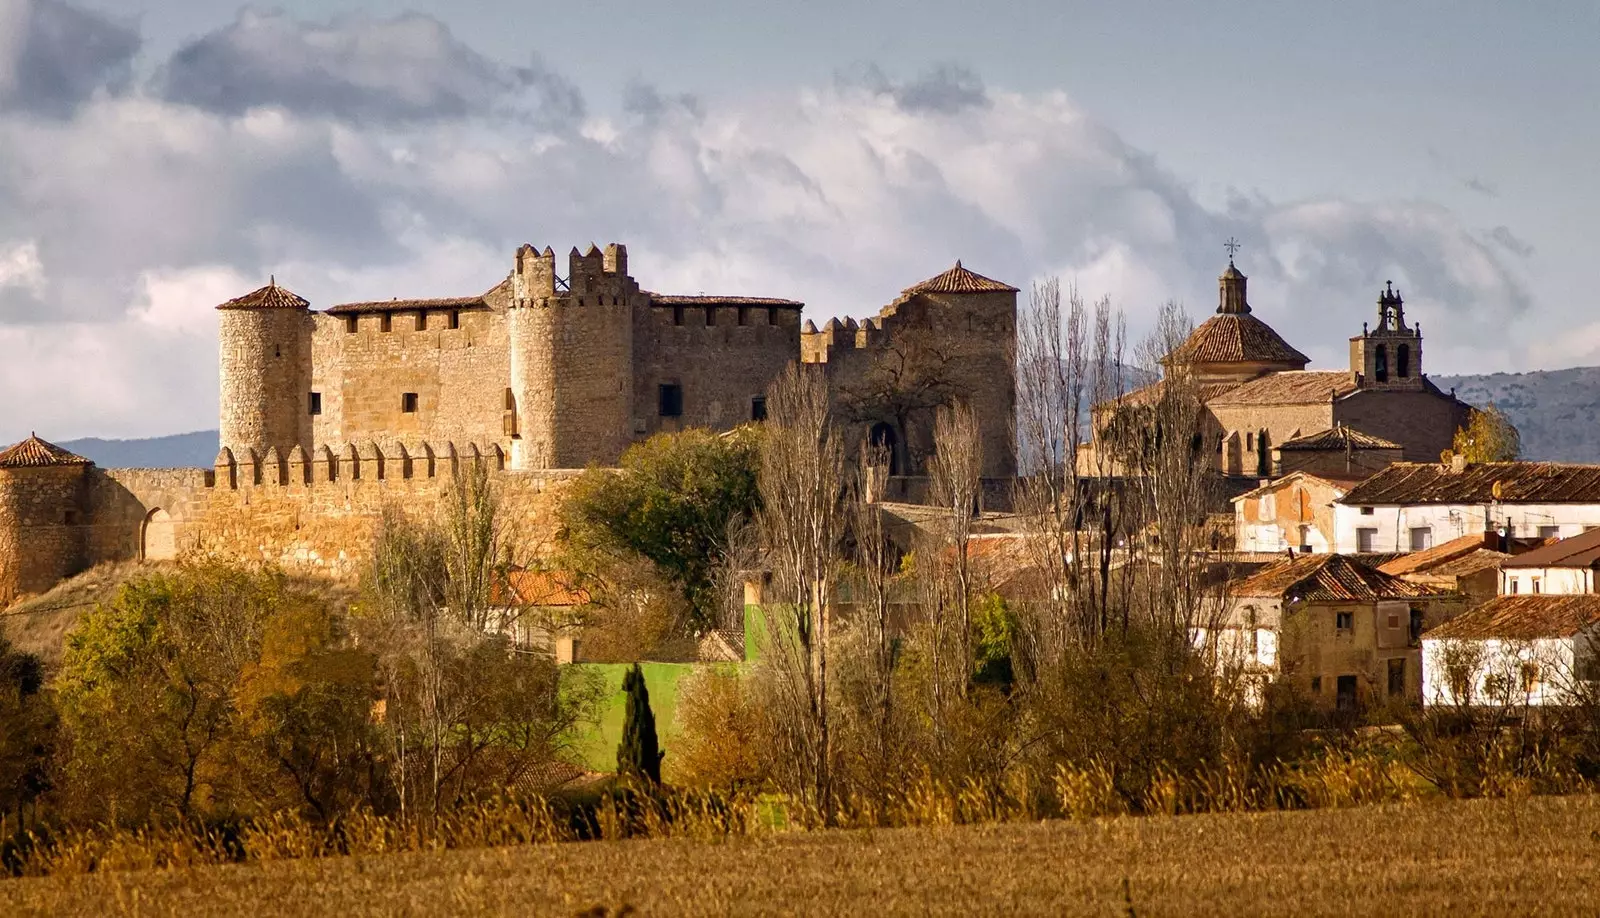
(271, 296)
(34, 453)
(960, 280)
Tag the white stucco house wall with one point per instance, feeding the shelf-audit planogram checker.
(1413, 506)
(1523, 650)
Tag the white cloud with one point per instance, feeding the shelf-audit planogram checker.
(140, 214)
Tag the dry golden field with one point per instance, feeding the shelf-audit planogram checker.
(1537, 856)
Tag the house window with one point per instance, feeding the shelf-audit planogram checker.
(1549, 532)
(1316, 685)
(744, 315)
(671, 400)
(70, 518)
(1535, 582)
(351, 323)
(455, 318)
(1421, 538)
(1397, 677)
(1346, 697)
(1415, 635)
(758, 408)
(711, 316)
(1530, 677)
(1344, 622)
(386, 323)
(1512, 582)
(1366, 511)
(422, 320)
(1366, 539)
(408, 402)
(677, 315)
(314, 403)
(772, 315)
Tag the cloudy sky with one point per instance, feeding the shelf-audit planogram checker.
(159, 156)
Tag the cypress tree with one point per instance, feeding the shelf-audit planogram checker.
(639, 754)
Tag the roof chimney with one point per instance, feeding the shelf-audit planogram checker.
(1458, 463)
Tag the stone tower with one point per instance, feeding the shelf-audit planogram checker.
(265, 345)
(571, 396)
(1390, 355)
(43, 498)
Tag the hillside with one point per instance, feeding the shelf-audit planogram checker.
(185, 450)
(1554, 409)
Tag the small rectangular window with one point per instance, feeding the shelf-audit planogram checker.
(314, 403)
(772, 315)
(1397, 677)
(1250, 441)
(671, 400)
(1366, 511)
(1316, 685)
(70, 518)
(1366, 539)
(758, 408)
(744, 315)
(1549, 532)
(1512, 581)
(386, 323)
(408, 402)
(711, 316)
(422, 320)
(677, 315)
(351, 324)
(1344, 622)
(1421, 538)
(455, 318)
(1535, 581)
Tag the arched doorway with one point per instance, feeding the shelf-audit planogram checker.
(160, 538)
(882, 436)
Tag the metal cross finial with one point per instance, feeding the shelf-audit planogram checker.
(1232, 245)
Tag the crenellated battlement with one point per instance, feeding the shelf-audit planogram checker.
(348, 464)
(819, 345)
(592, 277)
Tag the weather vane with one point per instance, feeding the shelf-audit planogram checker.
(1232, 245)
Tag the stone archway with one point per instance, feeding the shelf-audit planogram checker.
(159, 540)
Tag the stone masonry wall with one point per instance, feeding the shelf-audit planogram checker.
(41, 527)
(1424, 422)
(723, 357)
(265, 364)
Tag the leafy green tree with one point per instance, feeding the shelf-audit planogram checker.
(673, 501)
(27, 731)
(639, 754)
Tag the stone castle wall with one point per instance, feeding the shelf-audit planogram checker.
(721, 356)
(41, 527)
(265, 360)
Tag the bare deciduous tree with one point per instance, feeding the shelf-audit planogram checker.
(955, 482)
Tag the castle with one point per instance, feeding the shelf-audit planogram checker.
(327, 416)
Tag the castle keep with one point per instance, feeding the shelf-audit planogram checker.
(327, 416)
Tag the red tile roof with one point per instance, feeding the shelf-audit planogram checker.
(36, 453)
(1236, 338)
(1449, 552)
(960, 280)
(1295, 387)
(668, 299)
(537, 588)
(1523, 617)
(1581, 550)
(1519, 482)
(271, 296)
(1329, 578)
(1340, 437)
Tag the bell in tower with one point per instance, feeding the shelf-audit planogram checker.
(1389, 356)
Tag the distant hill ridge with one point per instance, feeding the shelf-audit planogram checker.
(1556, 411)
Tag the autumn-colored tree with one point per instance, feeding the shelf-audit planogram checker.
(1488, 436)
(27, 732)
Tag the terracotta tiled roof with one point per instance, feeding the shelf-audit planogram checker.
(1340, 437)
(1298, 387)
(271, 296)
(1339, 484)
(668, 299)
(36, 453)
(1431, 558)
(1329, 578)
(537, 588)
(1523, 617)
(447, 302)
(1581, 550)
(1236, 338)
(1520, 482)
(960, 280)
(1149, 395)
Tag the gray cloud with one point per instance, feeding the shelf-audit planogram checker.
(53, 55)
(406, 69)
(944, 89)
(645, 101)
(1485, 188)
(1510, 241)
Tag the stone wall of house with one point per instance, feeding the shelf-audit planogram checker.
(1271, 519)
(1351, 465)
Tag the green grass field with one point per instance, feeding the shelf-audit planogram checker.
(1484, 857)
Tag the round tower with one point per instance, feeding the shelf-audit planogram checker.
(264, 342)
(570, 401)
(43, 497)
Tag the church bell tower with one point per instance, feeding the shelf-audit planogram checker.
(1390, 355)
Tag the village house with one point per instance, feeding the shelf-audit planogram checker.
(1343, 633)
(1295, 511)
(1413, 506)
(1469, 565)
